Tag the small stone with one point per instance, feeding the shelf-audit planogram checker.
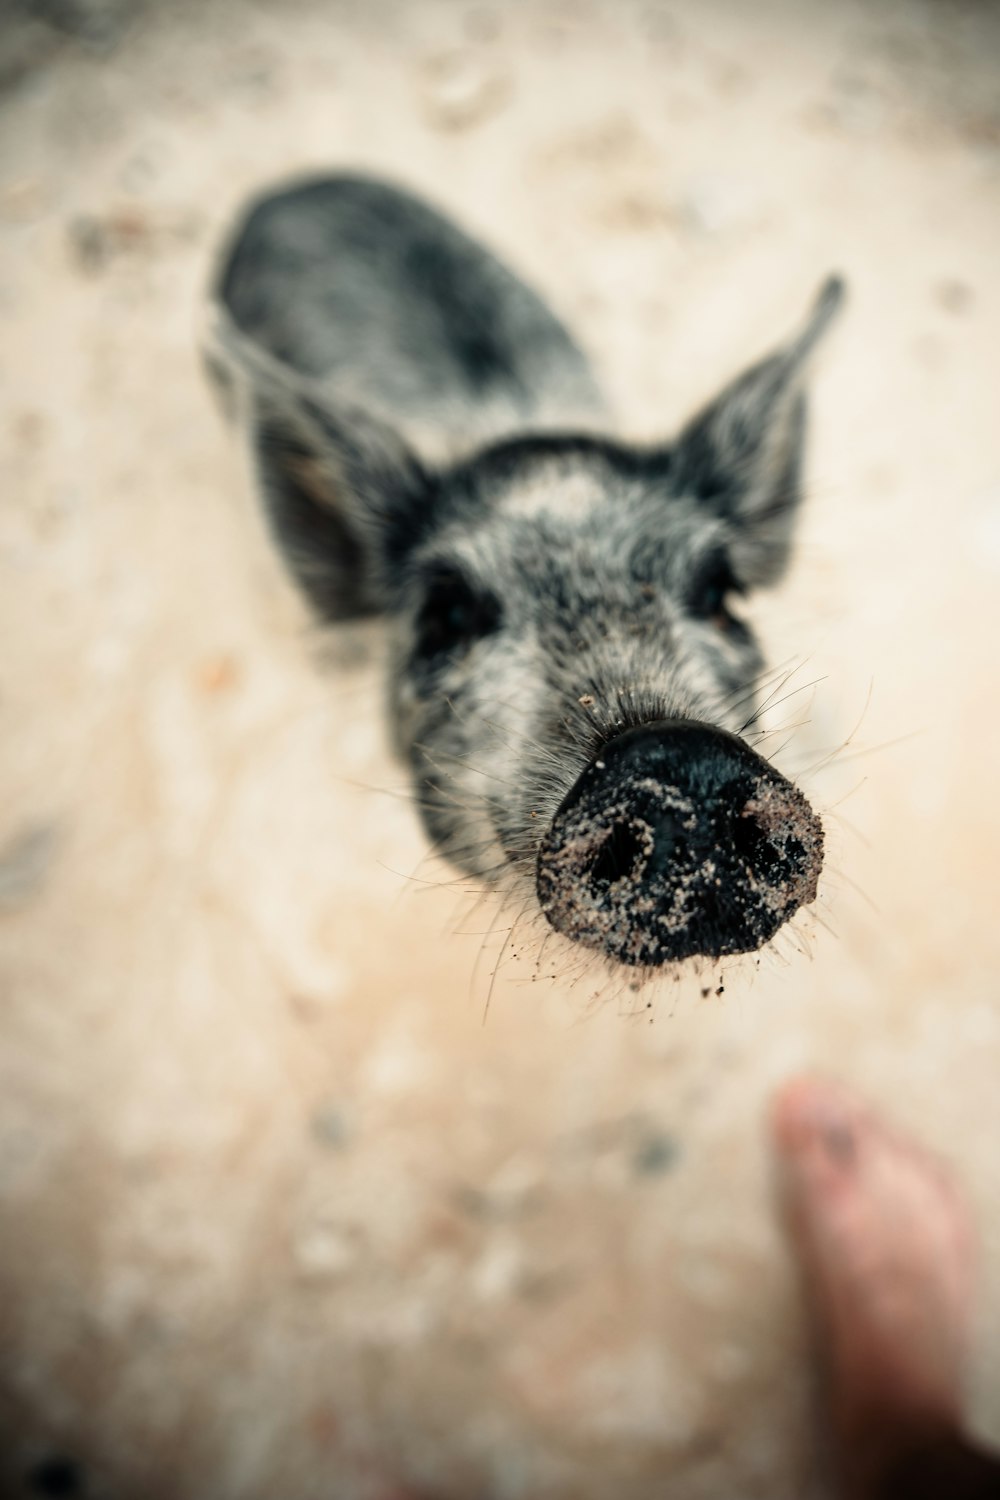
(89, 243)
(24, 864)
(954, 296)
(463, 88)
(96, 239)
(29, 429)
(654, 1155)
(217, 674)
(330, 1128)
(128, 227)
(306, 1008)
(472, 1201)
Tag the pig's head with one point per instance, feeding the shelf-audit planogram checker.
(570, 663)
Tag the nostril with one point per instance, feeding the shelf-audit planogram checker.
(752, 844)
(766, 835)
(620, 856)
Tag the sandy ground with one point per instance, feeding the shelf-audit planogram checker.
(281, 1213)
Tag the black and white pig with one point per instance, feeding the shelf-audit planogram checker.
(569, 671)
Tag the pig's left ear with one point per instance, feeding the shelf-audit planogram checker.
(742, 456)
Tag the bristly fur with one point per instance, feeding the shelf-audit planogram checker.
(432, 445)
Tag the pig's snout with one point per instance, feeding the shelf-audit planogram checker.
(677, 841)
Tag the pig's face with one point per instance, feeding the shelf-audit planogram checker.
(570, 668)
(570, 597)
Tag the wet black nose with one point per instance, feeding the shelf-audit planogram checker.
(676, 841)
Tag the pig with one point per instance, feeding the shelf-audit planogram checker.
(571, 671)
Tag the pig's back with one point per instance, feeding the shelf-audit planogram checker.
(362, 286)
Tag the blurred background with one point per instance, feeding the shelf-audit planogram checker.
(283, 1208)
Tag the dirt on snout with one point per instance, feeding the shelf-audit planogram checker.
(789, 827)
(656, 874)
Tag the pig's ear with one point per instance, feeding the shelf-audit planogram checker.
(742, 456)
(344, 496)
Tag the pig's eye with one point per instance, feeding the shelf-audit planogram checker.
(712, 591)
(454, 615)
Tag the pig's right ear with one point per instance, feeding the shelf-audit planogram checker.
(344, 496)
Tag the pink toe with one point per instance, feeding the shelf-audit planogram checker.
(813, 1117)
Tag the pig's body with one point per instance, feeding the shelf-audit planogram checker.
(569, 680)
(389, 305)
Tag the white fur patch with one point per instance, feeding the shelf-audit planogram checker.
(554, 494)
